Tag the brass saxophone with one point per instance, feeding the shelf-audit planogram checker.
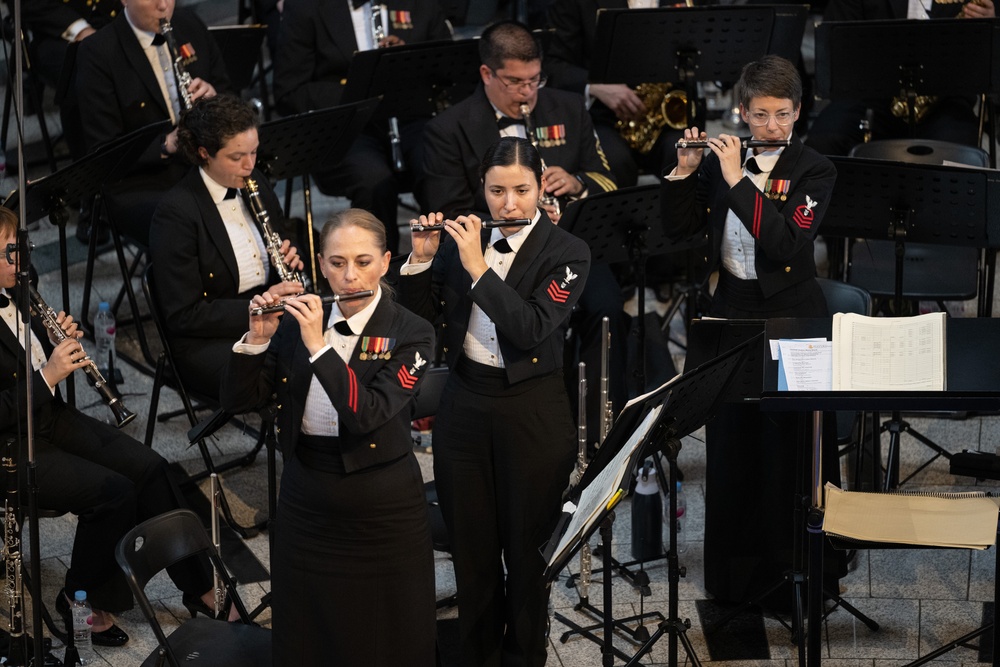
(271, 238)
(665, 106)
(109, 393)
(181, 76)
(900, 107)
(529, 128)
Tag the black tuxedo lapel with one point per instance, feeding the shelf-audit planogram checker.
(136, 58)
(213, 223)
(336, 17)
(529, 251)
(480, 126)
(10, 341)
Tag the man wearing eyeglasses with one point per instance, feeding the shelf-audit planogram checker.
(762, 208)
(511, 75)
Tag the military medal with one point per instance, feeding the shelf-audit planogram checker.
(777, 188)
(552, 135)
(400, 19)
(375, 347)
(186, 51)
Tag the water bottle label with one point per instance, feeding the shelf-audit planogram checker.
(111, 331)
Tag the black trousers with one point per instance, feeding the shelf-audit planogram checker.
(502, 458)
(111, 482)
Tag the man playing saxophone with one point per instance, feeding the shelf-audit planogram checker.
(210, 255)
(84, 466)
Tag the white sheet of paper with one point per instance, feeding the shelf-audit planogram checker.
(808, 364)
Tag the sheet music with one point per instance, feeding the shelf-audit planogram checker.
(603, 488)
(897, 353)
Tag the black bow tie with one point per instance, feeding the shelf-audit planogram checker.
(343, 328)
(358, 4)
(503, 122)
(230, 194)
(502, 246)
(752, 166)
(159, 39)
(5, 301)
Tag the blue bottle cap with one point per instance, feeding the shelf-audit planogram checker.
(104, 305)
(80, 596)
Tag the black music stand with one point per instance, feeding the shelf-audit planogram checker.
(973, 381)
(415, 80)
(297, 145)
(708, 339)
(651, 424)
(626, 226)
(875, 60)
(685, 45)
(919, 203)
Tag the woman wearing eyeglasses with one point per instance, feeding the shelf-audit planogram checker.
(762, 209)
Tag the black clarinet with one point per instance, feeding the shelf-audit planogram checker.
(271, 238)
(13, 582)
(108, 392)
(333, 298)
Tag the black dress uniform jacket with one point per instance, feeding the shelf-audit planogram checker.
(784, 224)
(457, 139)
(117, 88)
(530, 308)
(316, 43)
(373, 397)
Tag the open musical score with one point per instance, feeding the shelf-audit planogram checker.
(746, 143)
(331, 298)
(487, 224)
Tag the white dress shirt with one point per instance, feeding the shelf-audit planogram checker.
(248, 245)
(159, 60)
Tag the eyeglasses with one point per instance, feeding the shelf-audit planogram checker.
(10, 252)
(760, 119)
(531, 84)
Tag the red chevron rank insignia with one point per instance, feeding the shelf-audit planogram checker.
(556, 293)
(406, 379)
(803, 216)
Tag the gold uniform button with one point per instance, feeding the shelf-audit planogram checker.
(284, 380)
(534, 360)
(371, 446)
(277, 429)
(444, 325)
(211, 275)
(204, 294)
(788, 269)
(142, 105)
(279, 406)
(446, 350)
(708, 210)
(343, 82)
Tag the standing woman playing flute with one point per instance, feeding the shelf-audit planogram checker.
(352, 567)
(504, 438)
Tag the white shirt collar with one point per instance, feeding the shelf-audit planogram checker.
(145, 38)
(516, 240)
(216, 191)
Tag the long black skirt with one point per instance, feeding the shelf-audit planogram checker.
(352, 569)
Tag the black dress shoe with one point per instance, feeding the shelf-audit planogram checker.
(113, 636)
(195, 605)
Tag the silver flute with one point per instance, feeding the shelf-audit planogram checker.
(271, 238)
(529, 128)
(181, 76)
(746, 143)
(332, 298)
(583, 585)
(487, 224)
(109, 393)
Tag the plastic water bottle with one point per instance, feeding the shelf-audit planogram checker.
(681, 509)
(104, 336)
(647, 508)
(83, 620)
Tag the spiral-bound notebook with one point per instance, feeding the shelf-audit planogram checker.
(956, 520)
